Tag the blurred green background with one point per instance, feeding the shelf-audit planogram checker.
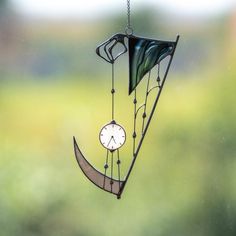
(53, 86)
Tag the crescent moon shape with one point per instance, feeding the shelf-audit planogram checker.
(102, 181)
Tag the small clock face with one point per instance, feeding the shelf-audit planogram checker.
(112, 136)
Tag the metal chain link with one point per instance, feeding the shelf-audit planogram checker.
(128, 13)
(128, 28)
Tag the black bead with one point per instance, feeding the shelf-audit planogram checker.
(144, 115)
(106, 166)
(113, 122)
(113, 91)
(111, 182)
(118, 162)
(135, 101)
(134, 135)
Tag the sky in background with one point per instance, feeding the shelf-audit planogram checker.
(91, 8)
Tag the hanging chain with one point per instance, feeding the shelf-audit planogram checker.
(128, 28)
(128, 14)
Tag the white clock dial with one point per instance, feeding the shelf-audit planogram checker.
(112, 136)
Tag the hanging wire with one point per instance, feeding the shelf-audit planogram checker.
(105, 167)
(118, 163)
(158, 75)
(113, 93)
(111, 182)
(146, 100)
(128, 28)
(135, 116)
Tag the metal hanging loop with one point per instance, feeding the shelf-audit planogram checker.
(129, 31)
(128, 28)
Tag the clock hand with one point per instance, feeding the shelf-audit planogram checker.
(113, 139)
(109, 141)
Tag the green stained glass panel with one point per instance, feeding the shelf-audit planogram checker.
(144, 54)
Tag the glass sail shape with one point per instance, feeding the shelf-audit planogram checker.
(144, 54)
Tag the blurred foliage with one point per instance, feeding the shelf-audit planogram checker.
(144, 21)
(184, 180)
(3, 3)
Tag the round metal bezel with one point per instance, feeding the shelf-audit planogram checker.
(112, 123)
